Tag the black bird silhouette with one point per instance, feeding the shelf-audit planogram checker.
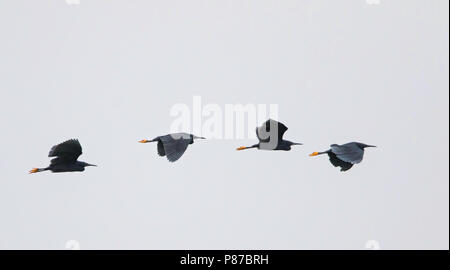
(66, 155)
(270, 136)
(346, 155)
(173, 145)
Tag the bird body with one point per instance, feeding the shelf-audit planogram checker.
(66, 158)
(270, 136)
(77, 166)
(173, 145)
(346, 155)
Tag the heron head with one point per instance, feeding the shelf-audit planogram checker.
(85, 164)
(289, 143)
(363, 145)
(294, 143)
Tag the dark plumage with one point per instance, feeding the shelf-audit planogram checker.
(270, 136)
(346, 155)
(173, 145)
(66, 158)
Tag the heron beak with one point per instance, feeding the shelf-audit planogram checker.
(143, 141)
(314, 154)
(35, 170)
(241, 148)
(297, 143)
(370, 146)
(202, 138)
(92, 165)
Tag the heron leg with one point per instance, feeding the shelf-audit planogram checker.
(247, 147)
(36, 170)
(318, 153)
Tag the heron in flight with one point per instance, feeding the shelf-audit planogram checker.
(173, 145)
(270, 136)
(66, 155)
(346, 155)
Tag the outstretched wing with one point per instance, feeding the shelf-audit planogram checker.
(345, 166)
(266, 129)
(69, 150)
(174, 147)
(348, 152)
(161, 150)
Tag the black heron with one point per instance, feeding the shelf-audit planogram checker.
(270, 136)
(173, 145)
(66, 155)
(346, 155)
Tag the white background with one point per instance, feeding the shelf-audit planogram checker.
(107, 72)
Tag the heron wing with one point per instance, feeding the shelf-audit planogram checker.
(174, 147)
(57, 161)
(69, 150)
(266, 128)
(161, 151)
(348, 152)
(339, 163)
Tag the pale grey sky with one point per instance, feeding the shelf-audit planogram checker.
(107, 72)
